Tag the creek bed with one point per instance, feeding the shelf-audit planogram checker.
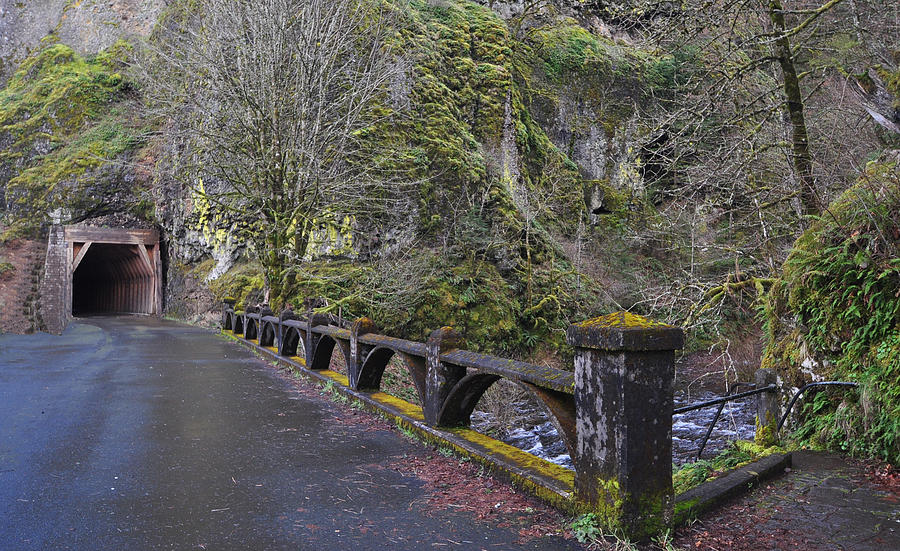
(536, 434)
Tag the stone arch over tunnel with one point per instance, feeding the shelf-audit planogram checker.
(113, 271)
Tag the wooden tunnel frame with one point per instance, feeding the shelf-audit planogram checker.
(143, 297)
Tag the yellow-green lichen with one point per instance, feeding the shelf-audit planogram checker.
(211, 223)
(621, 320)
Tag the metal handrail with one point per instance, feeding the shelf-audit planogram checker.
(721, 403)
(731, 397)
(715, 420)
(708, 403)
(802, 390)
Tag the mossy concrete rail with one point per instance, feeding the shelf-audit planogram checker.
(614, 411)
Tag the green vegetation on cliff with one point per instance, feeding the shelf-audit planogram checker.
(498, 208)
(465, 123)
(836, 311)
(62, 118)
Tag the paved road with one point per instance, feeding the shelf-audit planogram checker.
(137, 433)
(826, 503)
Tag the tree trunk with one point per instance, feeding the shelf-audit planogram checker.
(273, 260)
(301, 242)
(802, 159)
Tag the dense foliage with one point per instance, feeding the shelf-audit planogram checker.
(837, 309)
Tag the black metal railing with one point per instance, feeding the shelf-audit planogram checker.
(804, 389)
(721, 403)
(754, 391)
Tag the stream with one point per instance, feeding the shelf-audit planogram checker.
(537, 435)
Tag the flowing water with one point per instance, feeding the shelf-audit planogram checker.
(537, 435)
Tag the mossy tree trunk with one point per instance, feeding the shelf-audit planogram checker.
(793, 97)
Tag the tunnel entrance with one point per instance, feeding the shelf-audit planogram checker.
(113, 271)
(113, 279)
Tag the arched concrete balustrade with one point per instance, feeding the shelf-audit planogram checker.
(614, 410)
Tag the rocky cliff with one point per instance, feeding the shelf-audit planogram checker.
(87, 26)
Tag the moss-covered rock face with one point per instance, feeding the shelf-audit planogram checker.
(464, 127)
(524, 112)
(584, 90)
(836, 315)
(472, 297)
(88, 27)
(63, 118)
(242, 283)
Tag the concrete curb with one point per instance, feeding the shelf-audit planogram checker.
(713, 493)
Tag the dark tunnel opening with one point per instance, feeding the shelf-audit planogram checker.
(114, 279)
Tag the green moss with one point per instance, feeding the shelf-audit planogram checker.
(60, 115)
(839, 291)
(607, 76)
(202, 270)
(608, 515)
(623, 320)
(892, 83)
(740, 453)
(766, 431)
(243, 283)
(608, 507)
(567, 47)
(471, 297)
(462, 89)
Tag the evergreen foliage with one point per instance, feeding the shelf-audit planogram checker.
(838, 304)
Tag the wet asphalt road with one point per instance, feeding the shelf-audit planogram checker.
(138, 433)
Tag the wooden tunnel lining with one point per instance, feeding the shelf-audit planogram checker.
(113, 270)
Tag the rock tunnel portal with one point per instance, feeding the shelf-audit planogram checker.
(113, 271)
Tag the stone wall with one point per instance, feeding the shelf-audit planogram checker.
(21, 269)
(54, 310)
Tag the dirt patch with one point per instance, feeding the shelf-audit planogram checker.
(739, 527)
(828, 502)
(21, 262)
(885, 477)
(453, 484)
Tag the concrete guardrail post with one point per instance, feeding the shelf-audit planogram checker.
(624, 374)
(439, 377)
(227, 304)
(358, 350)
(768, 408)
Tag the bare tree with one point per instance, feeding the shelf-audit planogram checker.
(758, 127)
(271, 101)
